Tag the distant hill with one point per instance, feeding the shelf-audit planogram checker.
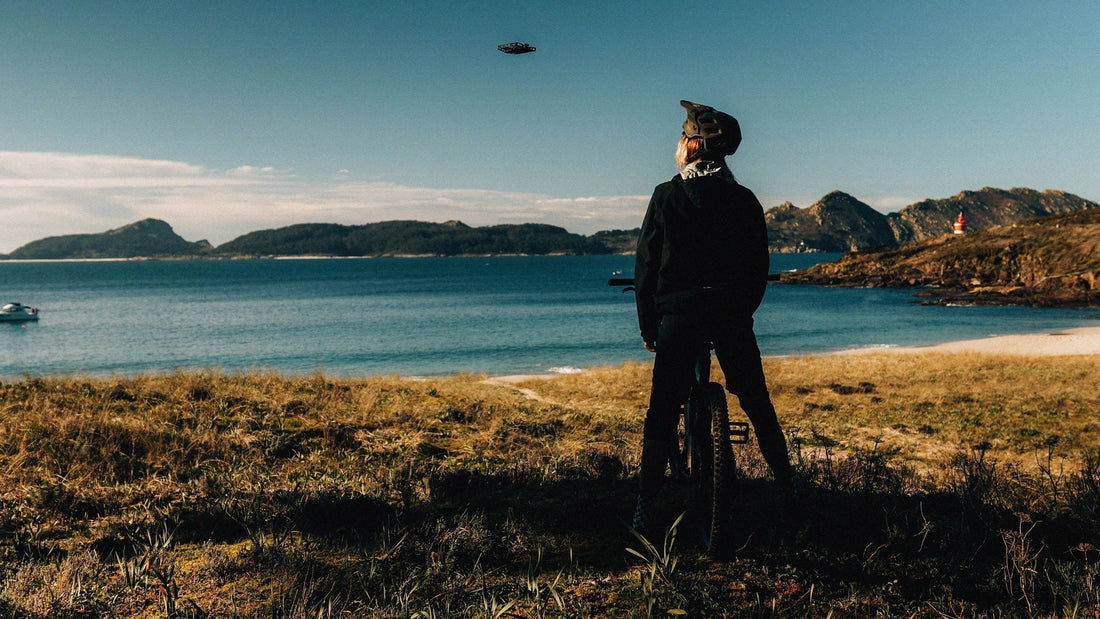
(394, 238)
(152, 238)
(982, 209)
(618, 241)
(148, 238)
(838, 222)
(1047, 261)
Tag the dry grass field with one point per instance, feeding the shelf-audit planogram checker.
(932, 485)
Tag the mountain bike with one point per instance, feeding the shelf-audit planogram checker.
(703, 457)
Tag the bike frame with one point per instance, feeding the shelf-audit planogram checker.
(680, 464)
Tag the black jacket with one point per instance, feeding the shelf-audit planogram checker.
(703, 241)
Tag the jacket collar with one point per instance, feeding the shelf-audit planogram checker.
(706, 167)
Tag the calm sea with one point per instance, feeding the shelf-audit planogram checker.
(417, 316)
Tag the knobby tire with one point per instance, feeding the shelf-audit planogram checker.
(716, 470)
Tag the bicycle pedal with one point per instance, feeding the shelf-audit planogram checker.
(739, 432)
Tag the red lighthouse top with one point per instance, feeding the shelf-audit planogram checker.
(960, 225)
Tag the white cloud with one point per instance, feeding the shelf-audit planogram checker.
(49, 194)
(255, 171)
(44, 166)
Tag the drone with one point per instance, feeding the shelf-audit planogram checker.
(516, 48)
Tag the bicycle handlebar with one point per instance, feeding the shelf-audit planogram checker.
(629, 281)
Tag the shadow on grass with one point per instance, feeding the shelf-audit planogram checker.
(983, 539)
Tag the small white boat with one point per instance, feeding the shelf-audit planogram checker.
(12, 312)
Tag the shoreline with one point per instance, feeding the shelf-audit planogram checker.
(1076, 341)
(1063, 342)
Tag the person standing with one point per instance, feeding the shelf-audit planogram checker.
(700, 272)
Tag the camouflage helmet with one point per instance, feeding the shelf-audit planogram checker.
(720, 132)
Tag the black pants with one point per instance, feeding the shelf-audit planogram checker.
(679, 340)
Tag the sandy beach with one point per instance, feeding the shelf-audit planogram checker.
(1079, 341)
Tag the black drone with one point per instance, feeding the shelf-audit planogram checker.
(516, 48)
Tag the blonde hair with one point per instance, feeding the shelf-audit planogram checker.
(687, 150)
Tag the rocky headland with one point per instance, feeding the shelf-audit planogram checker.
(1044, 262)
(839, 222)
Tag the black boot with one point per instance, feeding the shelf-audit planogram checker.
(769, 436)
(773, 446)
(650, 479)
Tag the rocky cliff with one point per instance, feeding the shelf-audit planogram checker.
(1048, 261)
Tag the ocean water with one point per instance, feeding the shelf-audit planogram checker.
(418, 316)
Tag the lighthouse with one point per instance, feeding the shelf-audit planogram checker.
(960, 224)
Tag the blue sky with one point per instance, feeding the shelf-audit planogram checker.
(227, 117)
